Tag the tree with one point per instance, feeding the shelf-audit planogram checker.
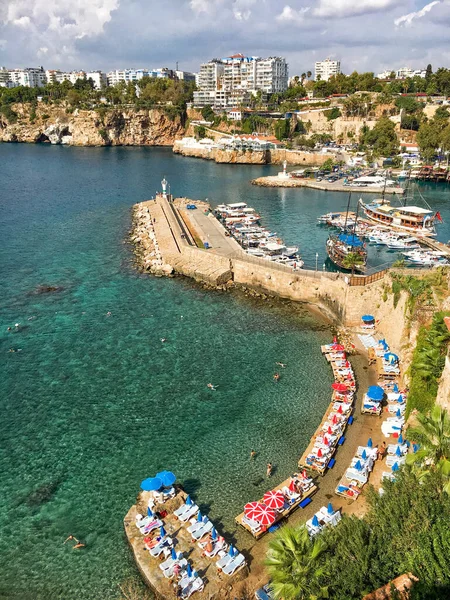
(282, 129)
(308, 74)
(433, 434)
(352, 260)
(382, 138)
(428, 73)
(208, 113)
(293, 565)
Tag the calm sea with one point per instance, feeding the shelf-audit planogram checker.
(93, 402)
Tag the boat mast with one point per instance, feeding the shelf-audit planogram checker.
(348, 208)
(384, 187)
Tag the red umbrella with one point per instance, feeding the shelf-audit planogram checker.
(325, 441)
(274, 499)
(335, 340)
(319, 453)
(340, 411)
(292, 487)
(338, 347)
(251, 509)
(304, 474)
(329, 430)
(265, 515)
(347, 364)
(339, 387)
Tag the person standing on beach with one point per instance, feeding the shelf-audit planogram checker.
(382, 451)
(269, 470)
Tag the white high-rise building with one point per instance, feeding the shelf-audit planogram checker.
(56, 76)
(5, 80)
(29, 77)
(405, 72)
(98, 77)
(126, 75)
(327, 68)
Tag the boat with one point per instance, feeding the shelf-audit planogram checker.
(403, 175)
(414, 219)
(426, 258)
(403, 243)
(339, 247)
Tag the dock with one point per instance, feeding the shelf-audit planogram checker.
(324, 186)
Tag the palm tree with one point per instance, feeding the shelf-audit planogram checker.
(352, 260)
(308, 74)
(303, 77)
(294, 566)
(433, 434)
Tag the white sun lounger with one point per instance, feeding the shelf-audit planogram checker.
(199, 533)
(392, 448)
(217, 547)
(351, 474)
(223, 561)
(234, 564)
(169, 572)
(194, 586)
(159, 548)
(150, 525)
(254, 525)
(391, 460)
(195, 526)
(181, 510)
(193, 510)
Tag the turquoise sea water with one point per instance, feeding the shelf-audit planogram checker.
(92, 403)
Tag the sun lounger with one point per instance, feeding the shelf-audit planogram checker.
(186, 580)
(180, 511)
(169, 572)
(199, 533)
(159, 548)
(167, 564)
(393, 408)
(387, 475)
(392, 448)
(217, 547)
(254, 525)
(192, 511)
(223, 561)
(353, 474)
(150, 525)
(194, 586)
(391, 460)
(234, 564)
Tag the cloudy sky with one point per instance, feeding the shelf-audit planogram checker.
(103, 34)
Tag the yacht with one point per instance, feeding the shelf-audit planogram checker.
(413, 219)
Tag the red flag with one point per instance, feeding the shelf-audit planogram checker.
(438, 216)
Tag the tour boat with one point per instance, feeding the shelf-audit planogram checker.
(403, 243)
(343, 245)
(414, 219)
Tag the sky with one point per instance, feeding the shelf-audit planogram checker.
(366, 35)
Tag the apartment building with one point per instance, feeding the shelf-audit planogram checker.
(5, 80)
(324, 69)
(56, 76)
(405, 72)
(98, 78)
(29, 77)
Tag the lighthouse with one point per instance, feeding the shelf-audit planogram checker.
(164, 187)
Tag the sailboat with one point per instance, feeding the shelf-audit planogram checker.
(347, 244)
(416, 220)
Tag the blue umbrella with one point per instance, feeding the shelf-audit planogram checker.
(395, 388)
(375, 392)
(179, 555)
(235, 552)
(368, 318)
(149, 512)
(205, 519)
(189, 571)
(400, 399)
(151, 484)
(162, 531)
(369, 443)
(395, 467)
(199, 516)
(188, 501)
(408, 444)
(391, 357)
(167, 477)
(364, 455)
(231, 551)
(415, 447)
(173, 554)
(398, 413)
(398, 452)
(358, 466)
(214, 534)
(315, 521)
(330, 509)
(400, 439)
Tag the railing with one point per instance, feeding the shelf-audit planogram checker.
(272, 265)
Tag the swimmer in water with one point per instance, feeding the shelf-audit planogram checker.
(282, 365)
(211, 386)
(78, 546)
(276, 377)
(109, 313)
(72, 538)
(163, 339)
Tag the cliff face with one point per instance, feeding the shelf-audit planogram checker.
(108, 127)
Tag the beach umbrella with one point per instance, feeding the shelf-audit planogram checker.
(199, 517)
(231, 551)
(367, 318)
(188, 501)
(167, 477)
(214, 534)
(173, 554)
(338, 348)
(325, 440)
(408, 445)
(329, 430)
(375, 392)
(205, 519)
(335, 340)
(395, 467)
(339, 387)
(274, 499)
(391, 357)
(395, 388)
(358, 466)
(334, 420)
(179, 555)
(315, 521)
(319, 453)
(162, 531)
(151, 484)
(292, 487)
(330, 509)
(415, 448)
(304, 474)
(369, 443)
(265, 515)
(340, 411)
(400, 399)
(149, 512)
(400, 439)
(398, 413)
(347, 364)
(398, 452)
(364, 455)
(250, 509)
(189, 571)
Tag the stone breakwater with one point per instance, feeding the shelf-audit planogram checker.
(147, 252)
(326, 186)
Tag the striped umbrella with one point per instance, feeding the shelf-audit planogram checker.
(274, 499)
(265, 515)
(250, 509)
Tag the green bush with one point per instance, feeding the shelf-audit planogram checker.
(8, 113)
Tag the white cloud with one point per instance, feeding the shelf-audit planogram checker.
(406, 20)
(22, 22)
(241, 9)
(42, 52)
(290, 15)
(350, 8)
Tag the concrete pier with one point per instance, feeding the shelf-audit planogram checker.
(325, 186)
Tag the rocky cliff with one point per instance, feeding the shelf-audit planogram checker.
(103, 127)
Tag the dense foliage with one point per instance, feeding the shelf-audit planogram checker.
(382, 139)
(406, 530)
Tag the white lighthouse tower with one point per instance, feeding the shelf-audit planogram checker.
(164, 188)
